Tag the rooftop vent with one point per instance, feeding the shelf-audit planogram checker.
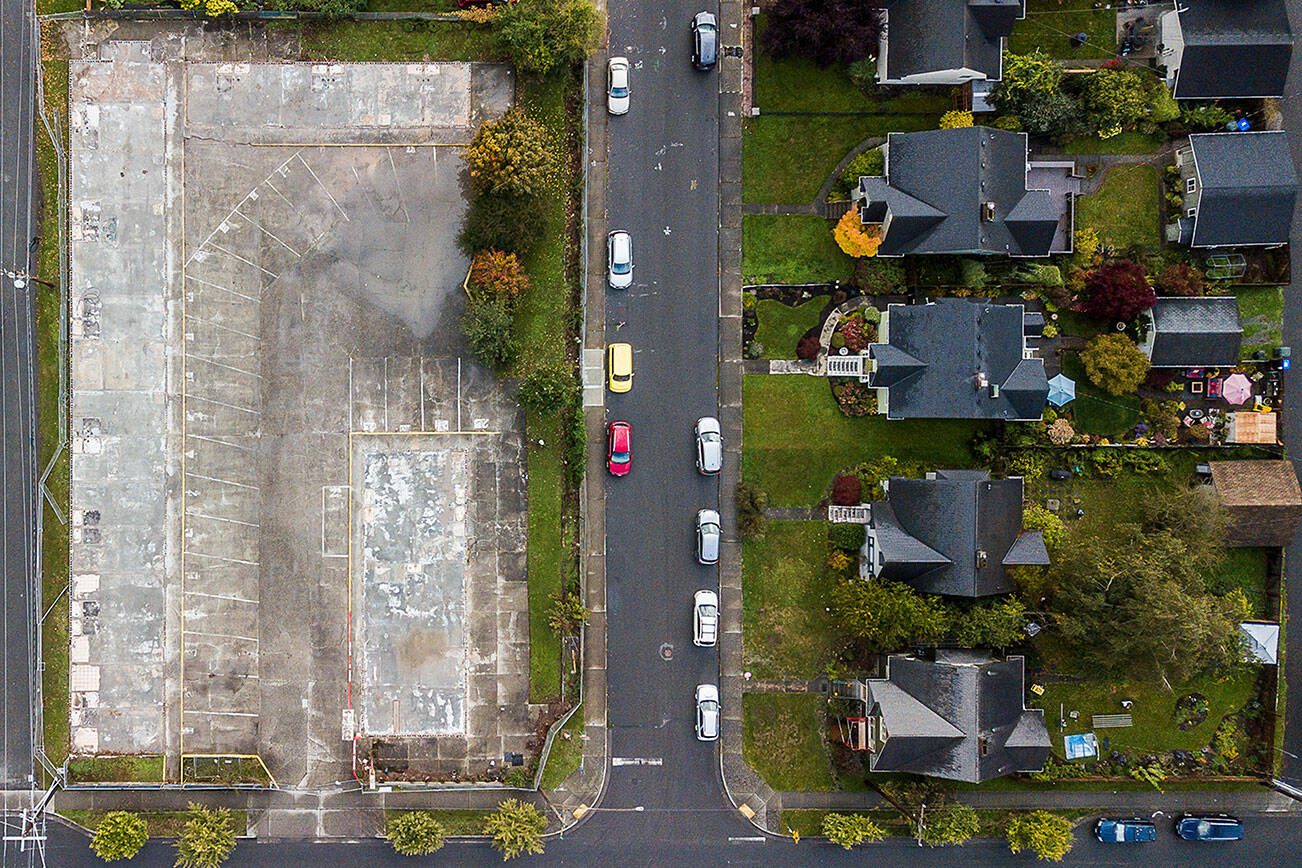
(981, 559)
(988, 211)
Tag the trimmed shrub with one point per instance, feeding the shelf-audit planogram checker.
(849, 537)
(847, 491)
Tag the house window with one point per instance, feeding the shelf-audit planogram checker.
(1190, 184)
(1191, 212)
(870, 554)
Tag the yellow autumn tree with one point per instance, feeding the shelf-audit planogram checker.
(211, 8)
(510, 155)
(955, 120)
(853, 238)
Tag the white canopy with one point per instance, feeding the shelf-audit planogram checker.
(1263, 641)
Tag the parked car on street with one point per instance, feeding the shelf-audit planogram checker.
(619, 448)
(619, 258)
(617, 85)
(1209, 827)
(707, 536)
(705, 41)
(705, 618)
(709, 446)
(707, 712)
(619, 367)
(1132, 831)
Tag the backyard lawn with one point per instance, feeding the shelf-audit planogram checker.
(1122, 143)
(1244, 569)
(1261, 311)
(780, 248)
(396, 40)
(797, 438)
(782, 740)
(1124, 210)
(786, 629)
(1156, 727)
(781, 325)
(1049, 25)
(1095, 411)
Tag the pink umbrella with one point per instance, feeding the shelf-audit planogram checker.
(1236, 389)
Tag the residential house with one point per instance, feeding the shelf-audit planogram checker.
(1197, 332)
(1225, 49)
(956, 533)
(1239, 190)
(971, 190)
(961, 716)
(1263, 499)
(956, 358)
(945, 41)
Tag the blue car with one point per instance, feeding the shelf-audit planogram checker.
(1209, 827)
(1132, 831)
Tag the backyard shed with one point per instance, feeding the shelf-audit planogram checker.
(1263, 498)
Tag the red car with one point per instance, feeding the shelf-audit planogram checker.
(619, 448)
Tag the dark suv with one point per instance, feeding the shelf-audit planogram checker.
(705, 40)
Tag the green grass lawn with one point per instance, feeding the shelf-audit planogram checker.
(1244, 569)
(566, 753)
(1153, 710)
(1095, 411)
(1049, 24)
(786, 158)
(162, 824)
(1124, 211)
(808, 822)
(396, 40)
(790, 248)
(467, 822)
(782, 740)
(1261, 311)
(786, 630)
(799, 85)
(797, 439)
(781, 325)
(49, 363)
(101, 769)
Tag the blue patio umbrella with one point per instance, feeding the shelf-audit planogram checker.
(1062, 390)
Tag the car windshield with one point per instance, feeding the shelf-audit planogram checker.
(619, 457)
(620, 267)
(708, 611)
(619, 91)
(710, 437)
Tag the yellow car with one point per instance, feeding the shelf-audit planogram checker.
(619, 367)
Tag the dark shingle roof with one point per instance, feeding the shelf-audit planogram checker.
(954, 340)
(1233, 48)
(937, 183)
(1195, 332)
(1028, 550)
(1247, 185)
(938, 35)
(953, 534)
(979, 696)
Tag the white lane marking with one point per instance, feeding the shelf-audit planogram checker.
(636, 761)
(756, 839)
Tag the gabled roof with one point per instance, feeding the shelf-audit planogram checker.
(953, 534)
(1233, 48)
(979, 697)
(925, 36)
(1260, 482)
(950, 342)
(1195, 332)
(960, 191)
(1247, 185)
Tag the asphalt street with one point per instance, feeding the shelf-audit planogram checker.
(1272, 841)
(17, 419)
(663, 189)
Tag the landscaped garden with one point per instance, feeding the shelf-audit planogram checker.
(782, 325)
(1049, 25)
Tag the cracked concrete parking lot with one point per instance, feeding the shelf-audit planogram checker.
(265, 294)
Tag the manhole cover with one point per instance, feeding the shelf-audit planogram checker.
(667, 651)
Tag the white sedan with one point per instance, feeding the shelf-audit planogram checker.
(617, 86)
(705, 618)
(619, 255)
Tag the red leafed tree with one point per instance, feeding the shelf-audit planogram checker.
(847, 491)
(824, 31)
(1118, 291)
